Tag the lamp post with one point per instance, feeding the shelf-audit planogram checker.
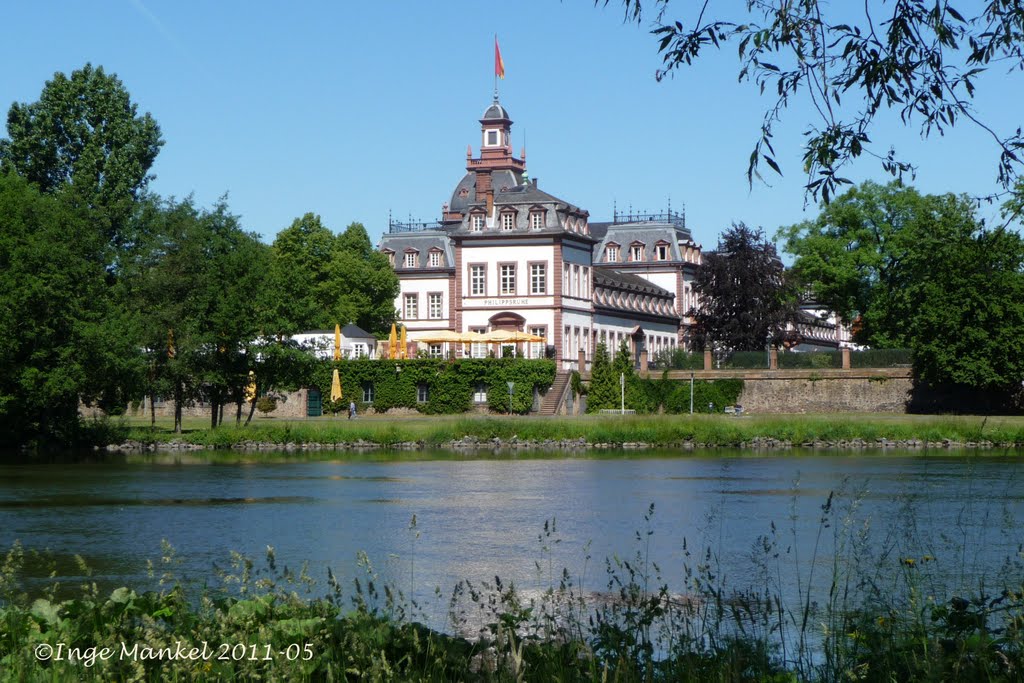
(691, 392)
(511, 386)
(622, 388)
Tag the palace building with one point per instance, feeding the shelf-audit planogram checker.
(507, 255)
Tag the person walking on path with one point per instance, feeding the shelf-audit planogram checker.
(351, 409)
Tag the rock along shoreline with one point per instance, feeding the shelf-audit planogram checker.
(468, 444)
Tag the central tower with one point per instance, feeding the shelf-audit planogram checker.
(496, 167)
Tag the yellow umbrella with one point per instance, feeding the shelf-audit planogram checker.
(337, 341)
(335, 386)
(405, 351)
(393, 343)
(170, 343)
(250, 388)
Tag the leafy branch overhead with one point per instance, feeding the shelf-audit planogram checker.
(850, 61)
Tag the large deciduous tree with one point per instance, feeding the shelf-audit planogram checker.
(848, 62)
(853, 255)
(197, 278)
(745, 299)
(85, 135)
(921, 271)
(63, 337)
(964, 293)
(321, 279)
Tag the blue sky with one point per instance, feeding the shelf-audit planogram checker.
(351, 110)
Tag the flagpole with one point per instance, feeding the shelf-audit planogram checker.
(495, 67)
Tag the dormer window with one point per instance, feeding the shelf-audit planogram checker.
(636, 251)
(476, 222)
(410, 259)
(536, 220)
(508, 221)
(435, 259)
(661, 251)
(611, 253)
(391, 257)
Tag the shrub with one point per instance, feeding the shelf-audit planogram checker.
(266, 404)
(880, 358)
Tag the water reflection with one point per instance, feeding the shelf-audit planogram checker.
(481, 518)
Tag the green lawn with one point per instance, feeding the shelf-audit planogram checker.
(667, 430)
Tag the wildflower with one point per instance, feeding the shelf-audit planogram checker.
(908, 561)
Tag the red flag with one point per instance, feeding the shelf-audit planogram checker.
(499, 65)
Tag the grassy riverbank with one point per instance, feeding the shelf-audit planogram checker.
(880, 619)
(613, 430)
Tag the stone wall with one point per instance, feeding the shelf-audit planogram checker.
(826, 390)
(839, 395)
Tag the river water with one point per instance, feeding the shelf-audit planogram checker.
(478, 518)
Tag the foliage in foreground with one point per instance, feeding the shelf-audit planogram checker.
(875, 617)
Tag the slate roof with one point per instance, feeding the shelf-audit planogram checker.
(352, 331)
(422, 241)
(496, 112)
(609, 277)
(624, 234)
(529, 193)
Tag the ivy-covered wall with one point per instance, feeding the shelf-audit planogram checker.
(449, 384)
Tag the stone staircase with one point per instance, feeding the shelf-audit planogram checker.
(553, 399)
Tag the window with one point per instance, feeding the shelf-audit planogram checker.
(422, 393)
(661, 252)
(391, 258)
(477, 222)
(478, 349)
(477, 280)
(435, 259)
(576, 281)
(480, 393)
(492, 138)
(508, 279)
(368, 393)
(636, 252)
(537, 348)
(586, 283)
(536, 220)
(359, 350)
(434, 303)
(435, 351)
(611, 253)
(410, 259)
(411, 306)
(538, 278)
(508, 221)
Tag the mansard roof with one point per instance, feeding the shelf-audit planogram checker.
(609, 277)
(422, 241)
(648, 233)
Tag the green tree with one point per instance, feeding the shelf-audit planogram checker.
(603, 387)
(62, 336)
(850, 62)
(300, 276)
(320, 279)
(368, 283)
(745, 298)
(922, 271)
(964, 294)
(194, 279)
(84, 135)
(853, 255)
